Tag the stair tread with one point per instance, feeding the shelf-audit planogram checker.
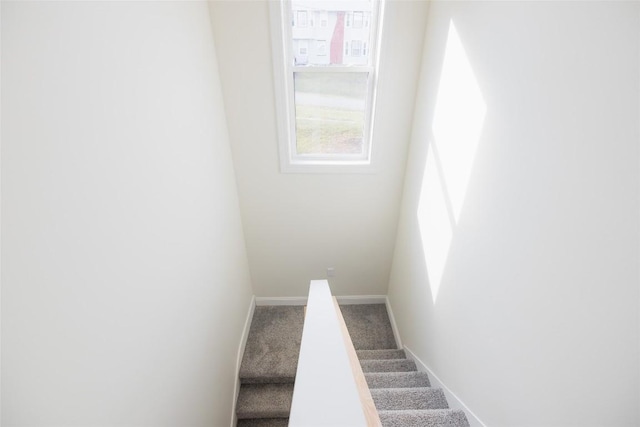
(263, 422)
(424, 418)
(273, 345)
(264, 401)
(397, 379)
(388, 365)
(369, 325)
(409, 398)
(381, 354)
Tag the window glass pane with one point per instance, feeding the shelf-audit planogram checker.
(330, 112)
(340, 24)
(356, 48)
(357, 19)
(302, 18)
(321, 46)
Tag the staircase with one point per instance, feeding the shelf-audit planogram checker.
(402, 395)
(269, 365)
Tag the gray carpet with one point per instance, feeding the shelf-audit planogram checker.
(273, 345)
(397, 379)
(402, 395)
(369, 326)
(380, 354)
(268, 367)
(409, 398)
(264, 401)
(429, 418)
(388, 365)
(264, 422)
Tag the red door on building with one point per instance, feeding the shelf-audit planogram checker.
(337, 40)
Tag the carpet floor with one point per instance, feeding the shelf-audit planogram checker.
(403, 396)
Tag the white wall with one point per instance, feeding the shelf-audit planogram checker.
(125, 280)
(535, 321)
(297, 225)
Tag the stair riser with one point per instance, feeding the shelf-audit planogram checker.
(402, 365)
(380, 354)
(262, 414)
(264, 422)
(268, 380)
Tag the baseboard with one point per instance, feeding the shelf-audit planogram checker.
(394, 326)
(346, 299)
(281, 301)
(241, 347)
(361, 299)
(454, 401)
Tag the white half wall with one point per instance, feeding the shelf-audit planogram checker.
(298, 225)
(516, 269)
(125, 282)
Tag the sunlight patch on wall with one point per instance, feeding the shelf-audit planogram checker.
(457, 124)
(435, 226)
(458, 120)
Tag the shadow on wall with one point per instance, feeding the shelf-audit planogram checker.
(457, 124)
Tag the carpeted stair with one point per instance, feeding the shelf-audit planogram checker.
(268, 367)
(402, 395)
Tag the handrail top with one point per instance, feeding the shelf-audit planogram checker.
(325, 392)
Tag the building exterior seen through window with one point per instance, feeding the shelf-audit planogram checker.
(343, 28)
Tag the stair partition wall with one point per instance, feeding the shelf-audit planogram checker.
(338, 366)
(330, 388)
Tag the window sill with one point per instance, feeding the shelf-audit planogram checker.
(328, 167)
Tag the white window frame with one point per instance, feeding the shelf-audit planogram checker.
(284, 70)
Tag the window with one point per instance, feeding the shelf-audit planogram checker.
(357, 19)
(356, 48)
(321, 47)
(303, 47)
(302, 18)
(325, 86)
(324, 19)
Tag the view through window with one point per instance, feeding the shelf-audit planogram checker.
(329, 69)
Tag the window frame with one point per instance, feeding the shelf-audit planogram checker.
(284, 71)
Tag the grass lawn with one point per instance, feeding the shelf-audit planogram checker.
(328, 130)
(349, 85)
